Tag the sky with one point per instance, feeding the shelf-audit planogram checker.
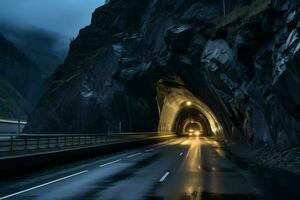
(66, 17)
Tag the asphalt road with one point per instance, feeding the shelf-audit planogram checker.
(183, 169)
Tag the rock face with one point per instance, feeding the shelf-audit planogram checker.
(244, 66)
(20, 81)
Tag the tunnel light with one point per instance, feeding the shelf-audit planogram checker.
(191, 130)
(188, 103)
(197, 133)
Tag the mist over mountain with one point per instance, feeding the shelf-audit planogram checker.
(42, 30)
(34, 41)
(66, 17)
(45, 48)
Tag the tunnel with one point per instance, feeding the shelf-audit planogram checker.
(190, 121)
(183, 113)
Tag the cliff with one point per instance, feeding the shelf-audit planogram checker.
(243, 65)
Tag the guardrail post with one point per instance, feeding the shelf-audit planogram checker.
(48, 142)
(38, 142)
(19, 126)
(65, 141)
(25, 142)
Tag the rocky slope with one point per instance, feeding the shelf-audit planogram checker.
(20, 81)
(12, 103)
(244, 66)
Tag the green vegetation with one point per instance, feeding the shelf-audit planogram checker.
(244, 13)
(9, 107)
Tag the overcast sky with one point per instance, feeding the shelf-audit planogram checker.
(63, 16)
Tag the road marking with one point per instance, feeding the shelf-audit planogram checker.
(148, 150)
(181, 154)
(164, 177)
(134, 155)
(112, 162)
(42, 185)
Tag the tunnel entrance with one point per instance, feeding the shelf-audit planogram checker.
(183, 113)
(190, 121)
(192, 127)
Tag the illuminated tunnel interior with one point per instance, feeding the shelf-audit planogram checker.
(183, 113)
(191, 121)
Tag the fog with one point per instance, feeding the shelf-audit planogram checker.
(43, 29)
(66, 17)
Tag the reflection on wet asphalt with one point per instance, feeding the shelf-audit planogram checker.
(183, 169)
(102, 184)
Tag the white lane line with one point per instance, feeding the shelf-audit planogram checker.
(112, 162)
(148, 150)
(133, 155)
(42, 185)
(181, 154)
(164, 177)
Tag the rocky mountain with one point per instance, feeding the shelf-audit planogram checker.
(45, 48)
(21, 81)
(243, 65)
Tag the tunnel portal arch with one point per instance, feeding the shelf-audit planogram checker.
(177, 104)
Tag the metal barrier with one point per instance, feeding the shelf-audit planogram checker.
(25, 142)
(13, 126)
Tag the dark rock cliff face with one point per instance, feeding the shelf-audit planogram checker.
(244, 66)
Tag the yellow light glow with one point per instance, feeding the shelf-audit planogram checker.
(188, 103)
(191, 130)
(197, 133)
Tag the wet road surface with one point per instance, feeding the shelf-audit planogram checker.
(184, 169)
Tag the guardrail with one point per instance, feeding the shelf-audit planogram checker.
(13, 121)
(11, 126)
(31, 152)
(24, 142)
